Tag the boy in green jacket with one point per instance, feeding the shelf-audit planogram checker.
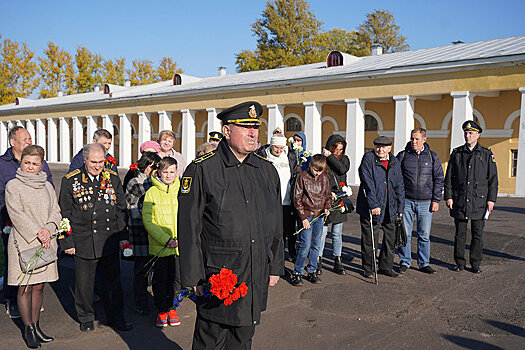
(159, 214)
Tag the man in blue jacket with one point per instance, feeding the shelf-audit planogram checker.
(382, 193)
(423, 179)
(103, 137)
(19, 138)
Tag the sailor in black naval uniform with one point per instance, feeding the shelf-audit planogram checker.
(92, 198)
(230, 217)
(471, 189)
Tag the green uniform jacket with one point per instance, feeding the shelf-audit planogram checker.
(159, 215)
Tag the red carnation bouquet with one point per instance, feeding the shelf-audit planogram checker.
(223, 285)
(110, 161)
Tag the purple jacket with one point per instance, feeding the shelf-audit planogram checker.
(8, 166)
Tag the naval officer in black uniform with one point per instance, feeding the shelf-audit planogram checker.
(230, 216)
(471, 189)
(93, 200)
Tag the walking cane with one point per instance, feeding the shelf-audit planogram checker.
(373, 243)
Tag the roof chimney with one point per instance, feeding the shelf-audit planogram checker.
(377, 50)
(60, 93)
(457, 42)
(127, 83)
(222, 71)
(97, 88)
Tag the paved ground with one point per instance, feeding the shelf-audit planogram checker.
(447, 310)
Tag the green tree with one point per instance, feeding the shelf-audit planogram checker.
(337, 39)
(18, 71)
(380, 28)
(89, 70)
(142, 72)
(167, 69)
(286, 35)
(57, 71)
(114, 71)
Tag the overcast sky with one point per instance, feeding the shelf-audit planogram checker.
(202, 35)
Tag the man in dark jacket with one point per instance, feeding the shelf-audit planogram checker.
(382, 195)
(471, 189)
(103, 137)
(19, 138)
(423, 180)
(229, 217)
(92, 198)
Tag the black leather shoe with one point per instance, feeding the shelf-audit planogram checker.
(121, 326)
(458, 268)
(30, 337)
(87, 327)
(368, 275)
(41, 335)
(388, 273)
(427, 269)
(403, 268)
(476, 270)
(338, 266)
(319, 270)
(297, 280)
(313, 278)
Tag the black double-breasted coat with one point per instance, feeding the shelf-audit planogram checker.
(230, 217)
(97, 215)
(470, 181)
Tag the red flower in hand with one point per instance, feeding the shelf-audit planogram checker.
(342, 184)
(134, 166)
(111, 160)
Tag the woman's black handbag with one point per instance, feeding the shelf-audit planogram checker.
(401, 235)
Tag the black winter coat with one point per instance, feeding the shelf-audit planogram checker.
(374, 181)
(337, 170)
(97, 226)
(422, 174)
(230, 217)
(471, 181)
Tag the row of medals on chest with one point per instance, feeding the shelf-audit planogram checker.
(84, 194)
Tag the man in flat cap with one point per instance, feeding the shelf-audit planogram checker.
(381, 194)
(229, 217)
(215, 137)
(471, 189)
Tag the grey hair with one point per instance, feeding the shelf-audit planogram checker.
(102, 133)
(92, 147)
(12, 132)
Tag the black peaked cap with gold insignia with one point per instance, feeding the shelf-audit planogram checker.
(245, 114)
(471, 125)
(215, 135)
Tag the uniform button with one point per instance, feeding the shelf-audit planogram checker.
(94, 231)
(107, 228)
(94, 213)
(107, 210)
(247, 202)
(468, 182)
(95, 222)
(253, 240)
(107, 219)
(254, 322)
(467, 200)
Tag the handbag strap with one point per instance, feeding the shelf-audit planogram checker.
(14, 238)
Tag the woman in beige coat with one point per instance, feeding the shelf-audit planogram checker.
(32, 206)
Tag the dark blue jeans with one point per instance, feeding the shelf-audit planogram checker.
(308, 246)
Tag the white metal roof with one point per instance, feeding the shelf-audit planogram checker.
(454, 56)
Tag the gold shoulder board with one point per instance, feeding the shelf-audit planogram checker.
(73, 173)
(266, 159)
(204, 157)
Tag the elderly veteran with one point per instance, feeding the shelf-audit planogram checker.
(471, 189)
(381, 194)
(225, 202)
(92, 198)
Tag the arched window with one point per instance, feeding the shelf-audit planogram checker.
(335, 58)
(370, 123)
(293, 124)
(177, 80)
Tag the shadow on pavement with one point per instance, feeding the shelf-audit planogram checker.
(516, 210)
(507, 327)
(64, 288)
(468, 343)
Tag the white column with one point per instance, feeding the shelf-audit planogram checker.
(144, 127)
(65, 156)
(91, 127)
(313, 128)
(30, 127)
(78, 138)
(19, 123)
(41, 133)
(125, 138)
(52, 145)
(4, 142)
(107, 123)
(275, 119)
(404, 122)
(355, 137)
(462, 109)
(164, 121)
(214, 124)
(188, 135)
(520, 171)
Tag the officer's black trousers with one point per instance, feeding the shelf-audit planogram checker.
(140, 281)
(386, 257)
(209, 335)
(110, 288)
(476, 244)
